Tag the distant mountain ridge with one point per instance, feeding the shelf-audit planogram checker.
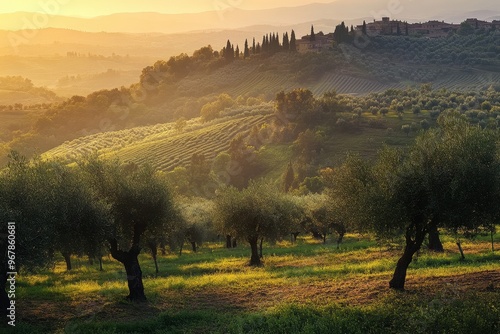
(234, 18)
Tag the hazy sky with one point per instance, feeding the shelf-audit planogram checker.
(88, 8)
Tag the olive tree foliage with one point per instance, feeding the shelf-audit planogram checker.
(347, 190)
(21, 201)
(198, 222)
(448, 179)
(319, 218)
(81, 221)
(255, 213)
(74, 219)
(140, 202)
(24, 199)
(53, 210)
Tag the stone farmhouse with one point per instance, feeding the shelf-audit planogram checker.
(321, 42)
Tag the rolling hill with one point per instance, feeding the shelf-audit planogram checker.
(162, 145)
(184, 85)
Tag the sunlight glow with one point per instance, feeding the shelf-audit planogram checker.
(92, 8)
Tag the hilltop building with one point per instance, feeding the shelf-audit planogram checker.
(386, 26)
(430, 29)
(478, 24)
(321, 42)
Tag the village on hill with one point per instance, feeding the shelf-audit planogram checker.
(387, 27)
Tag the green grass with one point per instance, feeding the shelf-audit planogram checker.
(306, 287)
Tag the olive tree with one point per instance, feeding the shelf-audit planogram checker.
(139, 201)
(255, 213)
(52, 209)
(197, 215)
(347, 190)
(320, 218)
(22, 202)
(448, 179)
(80, 221)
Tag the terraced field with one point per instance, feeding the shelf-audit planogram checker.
(259, 83)
(344, 84)
(471, 80)
(161, 145)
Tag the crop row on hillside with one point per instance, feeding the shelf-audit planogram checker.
(468, 80)
(162, 145)
(349, 85)
(177, 150)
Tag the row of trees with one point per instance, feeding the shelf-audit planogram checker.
(270, 45)
(481, 107)
(449, 179)
(93, 209)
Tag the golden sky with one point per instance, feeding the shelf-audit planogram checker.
(90, 8)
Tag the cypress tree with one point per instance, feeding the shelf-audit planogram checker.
(312, 37)
(228, 51)
(286, 42)
(293, 44)
(253, 46)
(364, 27)
(246, 52)
(237, 52)
(406, 29)
(340, 33)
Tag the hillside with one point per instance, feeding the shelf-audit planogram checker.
(16, 90)
(164, 146)
(184, 85)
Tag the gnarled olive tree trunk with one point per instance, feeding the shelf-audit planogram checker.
(434, 240)
(414, 239)
(194, 247)
(255, 259)
(130, 261)
(153, 247)
(67, 259)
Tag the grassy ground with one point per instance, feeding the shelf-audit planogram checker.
(305, 287)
